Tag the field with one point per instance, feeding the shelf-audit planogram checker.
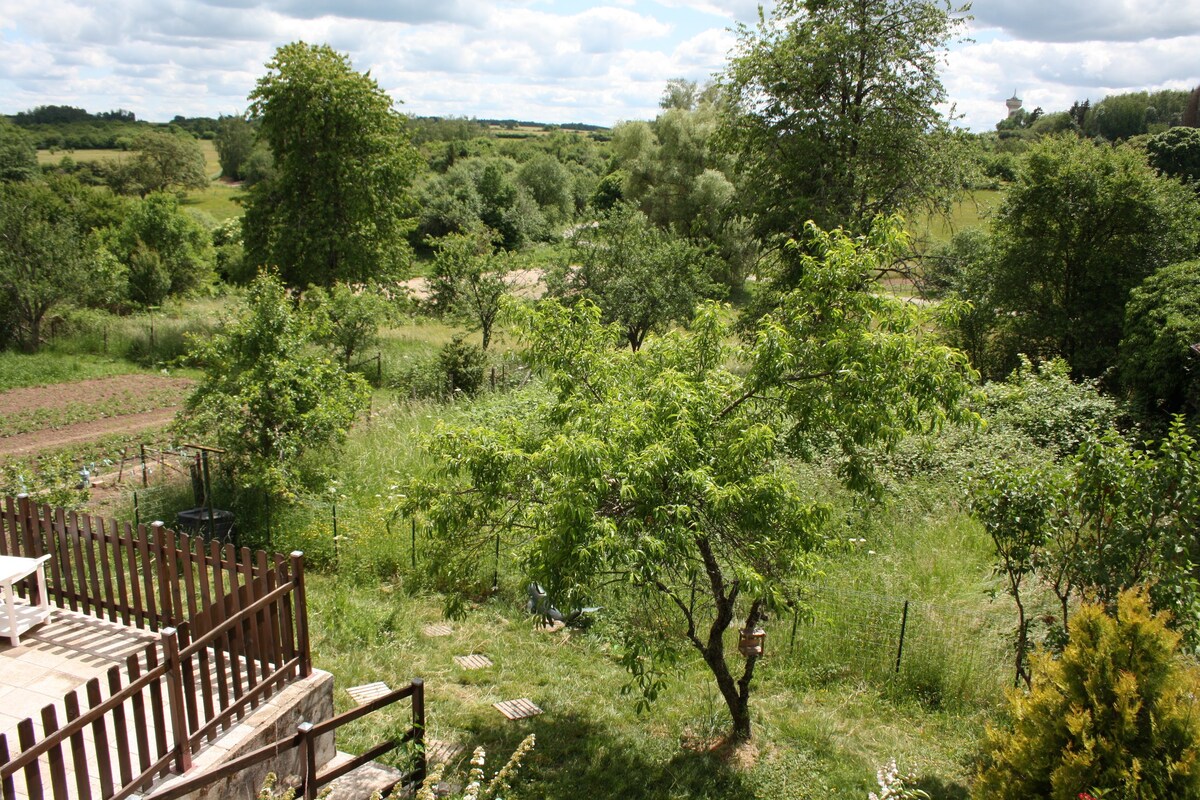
(220, 199)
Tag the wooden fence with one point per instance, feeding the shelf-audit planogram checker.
(233, 632)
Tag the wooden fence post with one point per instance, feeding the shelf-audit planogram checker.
(301, 606)
(308, 760)
(418, 711)
(179, 726)
(25, 524)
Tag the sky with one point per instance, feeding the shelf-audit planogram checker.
(557, 61)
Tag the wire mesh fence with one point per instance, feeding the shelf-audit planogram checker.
(940, 652)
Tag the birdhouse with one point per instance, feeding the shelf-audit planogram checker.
(751, 641)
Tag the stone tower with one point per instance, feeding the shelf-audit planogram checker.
(1014, 104)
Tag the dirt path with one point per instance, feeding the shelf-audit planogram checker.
(50, 439)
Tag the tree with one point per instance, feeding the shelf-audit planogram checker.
(1176, 152)
(167, 250)
(1082, 225)
(831, 113)
(235, 143)
(43, 257)
(642, 277)
(18, 156)
(338, 208)
(470, 278)
(346, 319)
(549, 183)
(662, 470)
(267, 397)
(166, 161)
(1155, 361)
(1112, 717)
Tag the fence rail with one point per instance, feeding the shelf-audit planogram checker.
(233, 632)
(311, 781)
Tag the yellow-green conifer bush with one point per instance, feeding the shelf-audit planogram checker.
(1115, 716)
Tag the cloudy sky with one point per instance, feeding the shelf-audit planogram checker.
(595, 61)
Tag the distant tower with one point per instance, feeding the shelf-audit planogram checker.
(1014, 104)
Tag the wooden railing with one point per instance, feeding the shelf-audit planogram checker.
(305, 739)
(233, 631)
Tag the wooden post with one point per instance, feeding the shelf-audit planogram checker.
(145, 479)
(308, 760)
(418, 711)
(25, 523)
(208, 495)
(179, 726)
(301, 606)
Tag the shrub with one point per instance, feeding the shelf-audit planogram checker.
(462, 365)
(1162, 320)
(1112, 717)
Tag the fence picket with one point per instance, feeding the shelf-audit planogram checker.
(8, 787)
(80, 573)
(120, 729)
(83, 786)
(54, 756)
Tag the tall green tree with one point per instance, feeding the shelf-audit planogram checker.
(663, 470)
(338, 208)
(235, 143)
(267, 396)
(43, 258)
(163, 161)
(1156, 363)
(831, 113)
(470, 279)
(1082, 225)
(167, 250)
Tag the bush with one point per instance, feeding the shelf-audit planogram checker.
(1113, 717)
(462, 365)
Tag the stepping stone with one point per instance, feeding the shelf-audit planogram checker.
(441, 752)
(517, 709)
(368, 692)
(438, 630)
(473, 661)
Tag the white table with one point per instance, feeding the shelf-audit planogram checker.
(16, 619)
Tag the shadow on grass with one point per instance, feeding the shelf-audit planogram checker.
(577, 759)
(937, 789)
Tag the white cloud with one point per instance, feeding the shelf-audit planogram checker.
(1090, 20)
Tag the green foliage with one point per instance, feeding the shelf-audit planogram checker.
(44, 259)
(1113, 716)
(165, 161)
(661, 468)
(1176, 152)
(478, 786)
(235, 143)
(1162, 322)
(1122, 116)
(1112, 518)
(549, 183)
(832, 113)
(642, 277)
(167, 250)
(462, 365)
(338, 207)
(18, 156)
(1081, 227)
(346, 319)
(470, 279)
(266, 396)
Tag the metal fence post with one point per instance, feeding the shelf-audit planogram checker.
(418, 712)
(903, 627)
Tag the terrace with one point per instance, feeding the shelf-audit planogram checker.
(164, 656)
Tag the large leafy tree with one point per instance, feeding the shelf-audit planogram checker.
(470, 278)
(166, 249)
(43, 258)
(831, 112)
(1082, 225)
(338, 206)
(1162, 322)
(18, 155)
(267, 396)
(164, 160)
(663, 470)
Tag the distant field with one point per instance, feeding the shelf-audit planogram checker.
(219, 199)
(970, 212)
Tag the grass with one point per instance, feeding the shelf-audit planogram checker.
(971, 211)
(824, 721)
(47, 367)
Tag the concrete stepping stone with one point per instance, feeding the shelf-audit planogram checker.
(521, 708)
(473, 661)
(361, 782)
(438, 630)
(368, 692)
